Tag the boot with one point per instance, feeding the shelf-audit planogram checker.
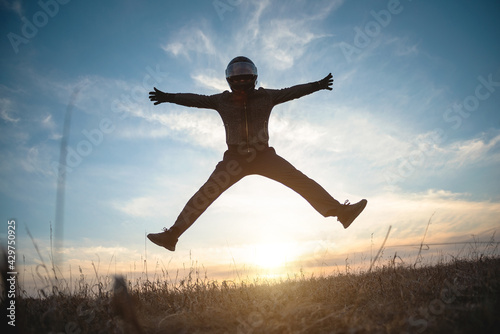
(349, 212)
(168, 238)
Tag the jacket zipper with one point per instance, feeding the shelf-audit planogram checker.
(246, 124)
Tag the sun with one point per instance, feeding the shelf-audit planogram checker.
(273, 255)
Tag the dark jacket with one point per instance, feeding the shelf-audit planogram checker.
(246, 116)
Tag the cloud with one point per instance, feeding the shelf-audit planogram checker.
(199, 128)
(84, 256)
(48, 122)
(146, 206)
(191, 40)
(35, 140)
(453, 217)
(403, 46)
(282, 41)
(419, 157)
(287, 43)
(430, 154)
(479, 151)
(6, 111)
(347, 140)
(36, 159)
(259, 32)
(211, 80)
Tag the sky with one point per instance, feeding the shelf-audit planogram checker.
(412, 125)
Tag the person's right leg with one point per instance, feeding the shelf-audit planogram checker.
(227, 172)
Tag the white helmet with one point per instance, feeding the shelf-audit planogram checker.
(241, 74)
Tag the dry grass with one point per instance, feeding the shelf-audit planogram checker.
(458, 297)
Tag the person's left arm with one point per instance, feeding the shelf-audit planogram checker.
(286, 94)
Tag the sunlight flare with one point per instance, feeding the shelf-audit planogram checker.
(274, 255)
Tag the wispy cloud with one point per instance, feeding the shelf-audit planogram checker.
(7, 111)
(200, 128)
(36, 160)
(273, 42)
(145, 206)
(453, 218)
(403, 46)
(478, 151)
(287, 43)
(191, 40)
(430, 154)
(281, 41)
(211, 80)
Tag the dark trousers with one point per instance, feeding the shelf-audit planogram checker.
(235, 165)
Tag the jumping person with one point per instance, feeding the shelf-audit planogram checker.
(245, 113)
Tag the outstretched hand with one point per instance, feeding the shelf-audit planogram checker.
(158, 96)
(326, 82)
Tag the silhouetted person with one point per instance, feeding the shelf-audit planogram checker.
(245, 113)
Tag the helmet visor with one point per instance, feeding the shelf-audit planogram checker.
(241, 68)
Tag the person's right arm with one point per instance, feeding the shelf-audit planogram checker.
(184, 99)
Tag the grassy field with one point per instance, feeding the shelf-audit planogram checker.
(462, 296)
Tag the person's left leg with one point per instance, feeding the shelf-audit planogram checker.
(271, 165)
